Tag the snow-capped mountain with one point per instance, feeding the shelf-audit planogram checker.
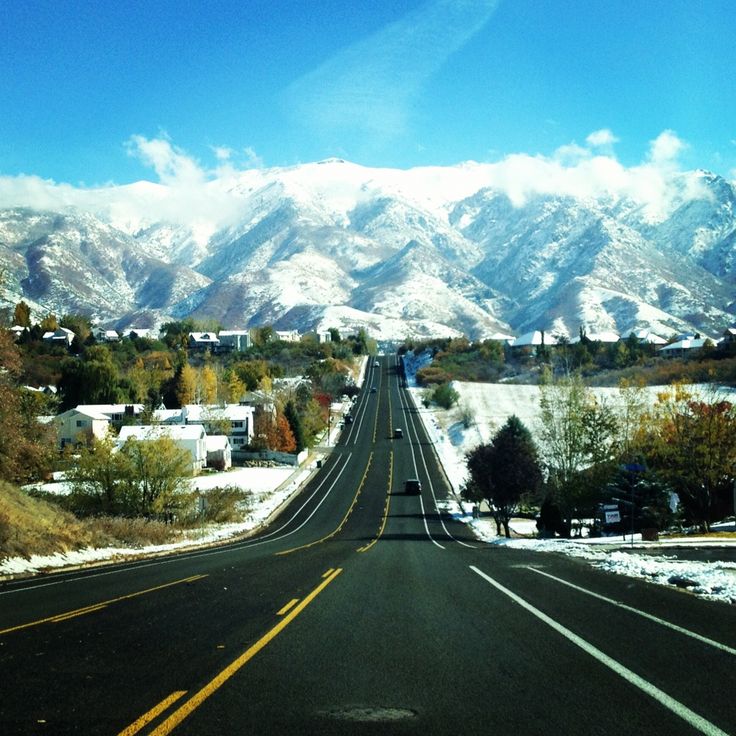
(418, 252)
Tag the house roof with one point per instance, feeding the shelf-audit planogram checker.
(689, 344)
(215, 442)
(648, 337)
(231, 412)
(607, 337)
(206, 337)
(160, 431)
(111, 408)
(532, 338)
(85, 411)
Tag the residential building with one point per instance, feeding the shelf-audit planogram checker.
(102, 335)
(80, 425)
(59, 336)
(234, 340)
(683, 347)
(287, 335)
(219, 452)
(116, 413)
(190, 438)
(646, 336)
(203, 341)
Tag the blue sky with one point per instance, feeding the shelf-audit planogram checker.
(379, 82)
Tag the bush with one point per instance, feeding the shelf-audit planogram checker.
(225, 504)
(445, 396)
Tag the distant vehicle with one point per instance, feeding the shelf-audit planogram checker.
(348, 418)
(412, 487)
(373, 389)
(398, 433)
(376, 364)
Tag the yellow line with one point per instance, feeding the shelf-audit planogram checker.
(288, 606)
(213, 685)
(80, 612)
(153, 713)
(328, 573)
(366, 547)
(341, 524)
(98, 606)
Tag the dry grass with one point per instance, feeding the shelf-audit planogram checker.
(31, 526)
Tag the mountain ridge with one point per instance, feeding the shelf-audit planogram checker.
(408, 253)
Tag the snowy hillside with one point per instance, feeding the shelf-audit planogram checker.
(426, 251)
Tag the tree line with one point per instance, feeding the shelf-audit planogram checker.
(634, 455)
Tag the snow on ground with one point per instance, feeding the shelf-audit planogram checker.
(271, 487)
(491, 405)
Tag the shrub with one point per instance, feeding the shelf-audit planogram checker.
(445, 396)
(225, 504)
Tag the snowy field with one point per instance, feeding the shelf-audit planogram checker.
(491, 405)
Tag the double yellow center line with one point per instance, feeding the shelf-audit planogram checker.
(293, 608)
(97, 606)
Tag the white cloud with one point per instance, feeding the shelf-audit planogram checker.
(601, 138)
(189, 194)
(665, 148)
(370, 87)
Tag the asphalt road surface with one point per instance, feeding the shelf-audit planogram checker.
(363, 610)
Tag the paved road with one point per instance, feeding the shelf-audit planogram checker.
(363, 610)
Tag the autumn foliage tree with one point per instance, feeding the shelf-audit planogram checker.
(691, 442)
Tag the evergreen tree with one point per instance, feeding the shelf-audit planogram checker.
(295, 422)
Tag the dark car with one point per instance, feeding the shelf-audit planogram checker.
(373, 389)
(398, 433)
(348, 418)
(412, 487)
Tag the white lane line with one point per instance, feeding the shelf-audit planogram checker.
(680, 710)
(412, 420)
(426, 526)
(674, 627)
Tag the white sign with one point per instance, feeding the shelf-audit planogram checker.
(612, 517)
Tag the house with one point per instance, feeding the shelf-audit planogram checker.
(647, 337)
(287, 335)
(234, 340)
(235, 421)
(729, 336)
(323, 337)
(132, 332)
(116, 413)
(59, 336)
(80, 425)
(219, 452)
(17, 331)
(501, 337)
(683, 347)
(203, 341)
(602, 337)
(102, 335)
(531, 341)
(189, 438)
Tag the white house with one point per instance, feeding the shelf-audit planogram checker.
(648, 337)
(190, 438)
(532, 340)
(116, 413)
(203, 341)
(60, 336)
(287, 335)
(131, 332)
(103, 335)
(80, 425)
(234, 339)
(682, 347)
(239, 419)
(219, 452)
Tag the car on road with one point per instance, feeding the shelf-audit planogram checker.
(412, 487)
(373, 389)
(398, 433)
(376, 364)
(348, 418)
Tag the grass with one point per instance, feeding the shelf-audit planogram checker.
(32, 526)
